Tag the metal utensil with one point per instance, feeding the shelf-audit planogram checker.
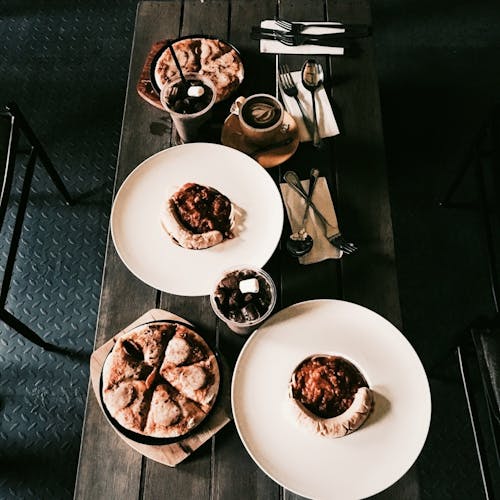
(333, 234)
(298, 37)
(312, 79)
(300, 242)
(290, 89)
(359, 29)
(292, 40)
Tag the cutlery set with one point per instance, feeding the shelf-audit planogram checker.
(333, 235)
(332, 34)
(328, 34)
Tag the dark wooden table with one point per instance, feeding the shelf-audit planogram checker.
(354, 164)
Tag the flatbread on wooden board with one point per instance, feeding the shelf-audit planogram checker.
(140, 399)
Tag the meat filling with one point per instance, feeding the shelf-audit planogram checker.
(202, 209)
(326, 385)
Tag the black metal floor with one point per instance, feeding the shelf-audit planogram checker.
(66, 63)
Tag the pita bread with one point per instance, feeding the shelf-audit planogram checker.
(139, 396)
(198, 381)
(171, 414)
(213, 58)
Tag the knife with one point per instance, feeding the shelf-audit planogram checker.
(354, 27)
(327, 24)
(294, 40)
(256, 30)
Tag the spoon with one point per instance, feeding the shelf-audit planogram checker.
(193, 90)
(300, 243)
(312, 79)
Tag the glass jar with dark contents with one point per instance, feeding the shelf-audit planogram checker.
(189, 103)
(243, 298)
(190, 98)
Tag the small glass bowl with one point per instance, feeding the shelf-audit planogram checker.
(245, 327)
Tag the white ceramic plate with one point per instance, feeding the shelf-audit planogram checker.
(149, 252)
(352, 467)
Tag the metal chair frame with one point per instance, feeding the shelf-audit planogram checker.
(483, 147)
(20, 127)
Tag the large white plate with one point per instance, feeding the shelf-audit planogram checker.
(355, 466)
(148, 251)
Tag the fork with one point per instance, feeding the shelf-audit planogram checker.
(294, 39)
(290, 89)
(333, 235)
(359, 29)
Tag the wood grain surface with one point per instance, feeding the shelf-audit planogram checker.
(354, 165)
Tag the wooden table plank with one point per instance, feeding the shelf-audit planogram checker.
(108, 468)
(192, 478)
(235, 473)
(363, 196)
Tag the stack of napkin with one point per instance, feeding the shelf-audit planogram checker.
(295, 206)
(326, 120)
(276, 47)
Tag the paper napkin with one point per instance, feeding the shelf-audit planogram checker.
(326, 120)
(295, 206)
(276, 47)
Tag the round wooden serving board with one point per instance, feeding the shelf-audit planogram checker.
(174, 453)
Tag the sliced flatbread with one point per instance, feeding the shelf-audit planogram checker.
(136, 353)
(139, 397)
(171, 414)
(128, 403)
(198, 382)
(185, 347)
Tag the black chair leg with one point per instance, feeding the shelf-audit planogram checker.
(20, 125)
(42, 155)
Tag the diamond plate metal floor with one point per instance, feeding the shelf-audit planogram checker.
(66, 65)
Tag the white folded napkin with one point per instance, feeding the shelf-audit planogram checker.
(295, 206)
(326, 120)
(276, 47)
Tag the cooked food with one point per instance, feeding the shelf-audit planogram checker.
(160, 380)
(243, 295)
(329, 395)
(197, 216)
(197, 381)
(211, 57)
(171, 413)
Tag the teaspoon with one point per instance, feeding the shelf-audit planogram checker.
(312, 79)
(300, 243)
